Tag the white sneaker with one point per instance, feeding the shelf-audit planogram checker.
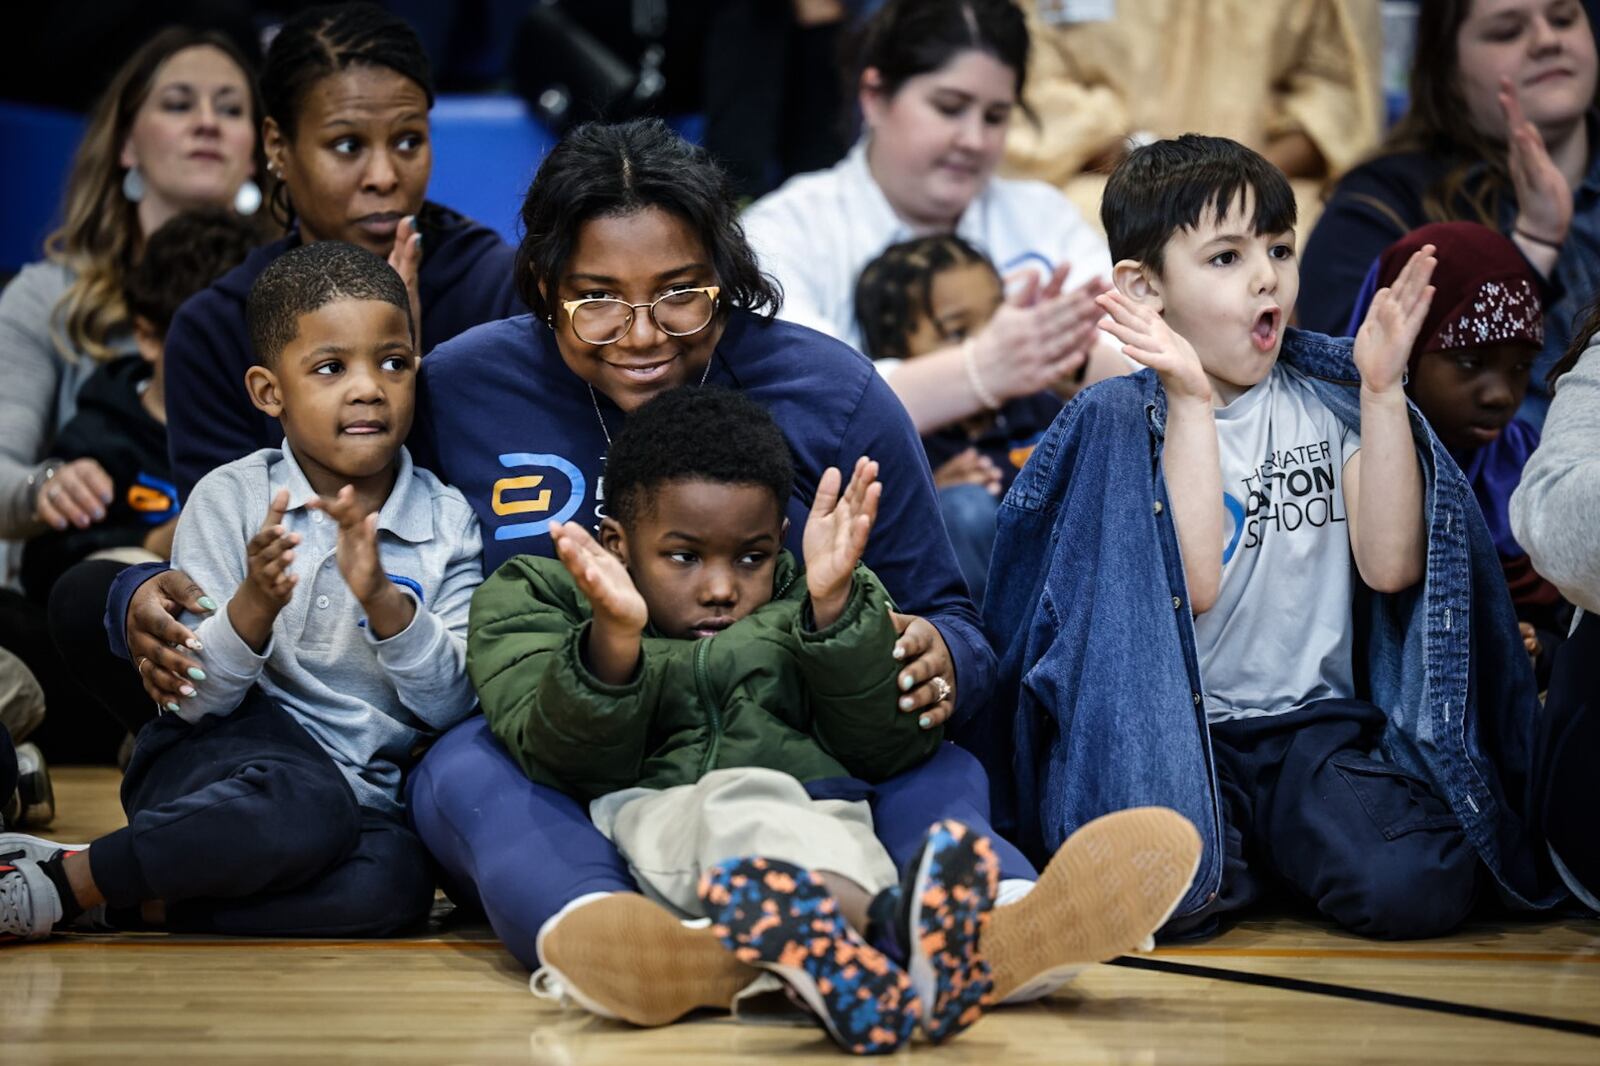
(38, 796)
(29, 905)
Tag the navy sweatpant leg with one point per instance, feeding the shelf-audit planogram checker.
(1371, 846)
(243, 824)
(952, 784)
(520, 850)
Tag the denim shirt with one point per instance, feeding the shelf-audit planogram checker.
(1100, 703)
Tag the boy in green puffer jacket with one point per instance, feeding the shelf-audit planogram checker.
(688, 679)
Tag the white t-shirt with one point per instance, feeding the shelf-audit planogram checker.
(1280, 633)
(818, 231)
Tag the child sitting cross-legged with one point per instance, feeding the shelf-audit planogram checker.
(725, 712)
(268, 802)
(1266, 597)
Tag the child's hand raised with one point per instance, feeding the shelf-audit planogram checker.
(388, 609)
(1146, 337)
(836, 535)
(268, 586)
(1383, 344)
(602, 578)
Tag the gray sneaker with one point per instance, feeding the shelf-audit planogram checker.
(38, 807)
(29, 905)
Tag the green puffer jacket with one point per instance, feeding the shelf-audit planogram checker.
(767, 691)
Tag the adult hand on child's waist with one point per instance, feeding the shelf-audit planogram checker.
(927, 678)
(157, 641)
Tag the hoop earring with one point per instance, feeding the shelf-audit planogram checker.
(247, 201)
(133, 189)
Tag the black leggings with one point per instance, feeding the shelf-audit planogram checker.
(77, 627)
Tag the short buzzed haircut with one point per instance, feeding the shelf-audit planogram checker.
(695, 434)
(1170, 185)
(309, 278)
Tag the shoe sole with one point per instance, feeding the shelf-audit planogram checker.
(1109, 888)
(956, 882)
(783, 919)
(35, 790)
(32, 848)
(634, 959)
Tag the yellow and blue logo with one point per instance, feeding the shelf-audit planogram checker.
(535, 492)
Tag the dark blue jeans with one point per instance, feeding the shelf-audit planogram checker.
(242, 824)
(971, 515)
(1369, 845)
(520, 851)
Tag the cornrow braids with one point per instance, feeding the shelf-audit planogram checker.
(895, 290)
(309, 278)
(325, 40)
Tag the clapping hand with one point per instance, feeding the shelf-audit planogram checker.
(835, 536)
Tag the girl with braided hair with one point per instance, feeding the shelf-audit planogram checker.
(930, 293)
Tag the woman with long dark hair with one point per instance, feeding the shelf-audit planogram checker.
(1501, 131)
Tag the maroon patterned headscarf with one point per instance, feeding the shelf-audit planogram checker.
(1485, 292)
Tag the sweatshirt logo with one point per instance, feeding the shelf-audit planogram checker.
(153, 499)
(546, 488)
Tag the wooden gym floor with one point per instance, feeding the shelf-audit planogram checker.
(1269, 991)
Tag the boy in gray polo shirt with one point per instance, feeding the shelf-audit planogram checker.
(268, 803)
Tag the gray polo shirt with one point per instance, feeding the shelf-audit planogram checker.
(368, 702)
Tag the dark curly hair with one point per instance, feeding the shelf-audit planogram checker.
(185, 255)
(309, 278)
(695, 434)
(1167, 186)
(895, 290)
(325, 40)
(603, 171)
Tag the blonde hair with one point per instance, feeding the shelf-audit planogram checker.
(99, 237)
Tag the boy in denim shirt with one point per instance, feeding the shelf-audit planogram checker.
(1281, 509)
(268, 802)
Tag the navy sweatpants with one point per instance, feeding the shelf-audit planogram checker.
(521, 851)
(242, 824)
(1305, 805)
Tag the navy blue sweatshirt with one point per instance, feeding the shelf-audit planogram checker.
(502, 418)
(466, 279)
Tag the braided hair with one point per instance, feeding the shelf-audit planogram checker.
(895, 290)
(328, 39)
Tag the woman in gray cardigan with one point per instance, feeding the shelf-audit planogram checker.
(1555, 514)
(174, 131)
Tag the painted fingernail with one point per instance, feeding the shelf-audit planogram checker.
(207, 603)
(186, 690)
(59, 525)
(924, 721)
(905, 703)
(899, 652)
(99, 513)
(906, 682)
(197, 673)
(194, 645)
(173, 707)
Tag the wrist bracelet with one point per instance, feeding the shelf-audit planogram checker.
(37, 478)
(969, 360)
(1520, 232)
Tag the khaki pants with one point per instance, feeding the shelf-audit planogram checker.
(669, 837)
(21, 698)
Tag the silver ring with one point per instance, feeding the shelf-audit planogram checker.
(138, 667)
(941, 688)
(54, 491)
